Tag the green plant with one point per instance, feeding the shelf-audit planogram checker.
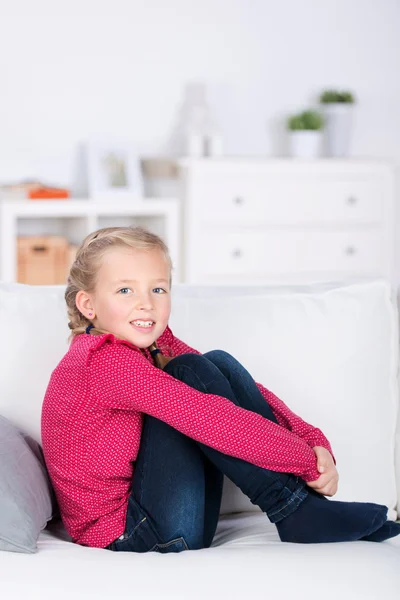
(330, 96)
(308, 120)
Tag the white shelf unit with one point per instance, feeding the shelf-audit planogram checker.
(76, 218)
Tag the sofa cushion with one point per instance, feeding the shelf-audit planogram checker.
(34, 323)
(329, 351)
(25, 490)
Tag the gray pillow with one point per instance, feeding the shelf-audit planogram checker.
(26, 495)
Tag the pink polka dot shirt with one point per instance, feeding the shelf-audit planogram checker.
(92, 418)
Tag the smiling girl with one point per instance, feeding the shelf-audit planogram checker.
(138, 429)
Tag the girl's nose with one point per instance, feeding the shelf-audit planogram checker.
(144, 302)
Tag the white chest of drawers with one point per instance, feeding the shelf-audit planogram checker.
(260, 221)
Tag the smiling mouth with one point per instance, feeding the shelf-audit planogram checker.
(143, 324)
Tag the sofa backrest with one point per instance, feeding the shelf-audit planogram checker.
(329, 351)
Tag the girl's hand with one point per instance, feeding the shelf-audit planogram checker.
(327, 483)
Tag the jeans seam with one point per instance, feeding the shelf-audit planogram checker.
(292, 498)
(178, 539)
(139, 524)
(123, 538)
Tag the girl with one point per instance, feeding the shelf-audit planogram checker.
(138, 428)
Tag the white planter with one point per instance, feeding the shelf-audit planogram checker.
(338, 126)
(305, 144)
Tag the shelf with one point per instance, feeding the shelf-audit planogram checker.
(78, 217)
(81, 207)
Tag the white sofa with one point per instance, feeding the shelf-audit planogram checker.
(329, 351)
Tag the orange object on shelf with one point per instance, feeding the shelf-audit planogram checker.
(47, 193)
(42, 260)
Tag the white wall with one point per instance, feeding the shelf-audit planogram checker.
(72, 69)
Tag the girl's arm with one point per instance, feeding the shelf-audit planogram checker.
(123, 379)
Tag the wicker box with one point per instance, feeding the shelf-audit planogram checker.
(42, 260)
(71, 254)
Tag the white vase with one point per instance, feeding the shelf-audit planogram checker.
(338, 126)
(305, 144)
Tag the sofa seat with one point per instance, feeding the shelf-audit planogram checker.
(247, 560)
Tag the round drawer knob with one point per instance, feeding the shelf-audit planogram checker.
(238, 200)
(350, 250)
(351, 200)
(237, 253)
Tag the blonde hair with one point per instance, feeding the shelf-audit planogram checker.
(83, 272)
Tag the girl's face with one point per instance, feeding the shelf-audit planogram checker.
(132, 295)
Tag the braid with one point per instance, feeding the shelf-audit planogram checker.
(159, 359)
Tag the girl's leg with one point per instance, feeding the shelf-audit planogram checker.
(249, 396)
(277, 494)
(242, 383)
(173, 485)
(176, 494)
(300, 516)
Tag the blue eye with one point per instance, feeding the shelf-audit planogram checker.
(159, 290)
(122, 290)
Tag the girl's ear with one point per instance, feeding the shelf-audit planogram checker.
(84, 304)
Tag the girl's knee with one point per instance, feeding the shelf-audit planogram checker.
(203, 374)
(191, 360)
(193, 369)
(219, 357)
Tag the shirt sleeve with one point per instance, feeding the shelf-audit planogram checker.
(288, 419)
(123, 379)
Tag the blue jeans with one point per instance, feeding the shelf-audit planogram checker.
(177, 482)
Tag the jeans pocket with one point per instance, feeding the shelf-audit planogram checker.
(130, 540)
(140, 534)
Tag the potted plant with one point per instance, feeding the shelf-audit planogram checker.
(305, 133)
(338, 112)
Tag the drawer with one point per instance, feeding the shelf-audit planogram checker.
(296, 200)
(281, 252)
